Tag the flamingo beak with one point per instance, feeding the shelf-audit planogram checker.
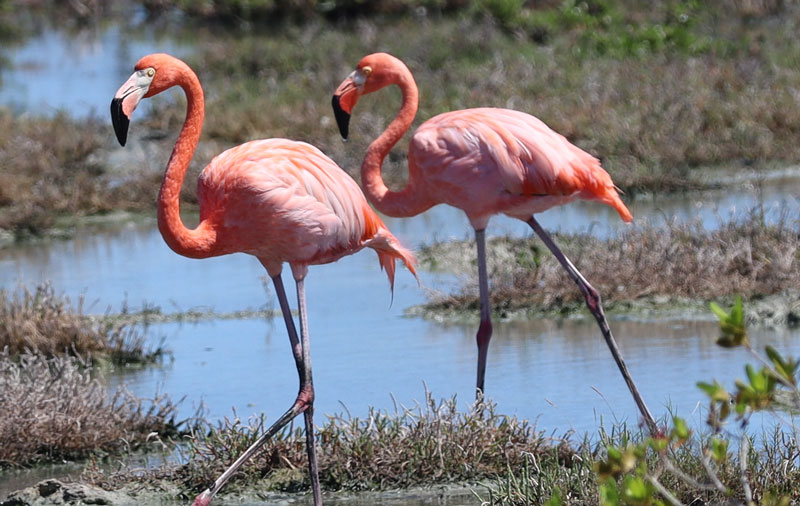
(344, 99)
(126, 100)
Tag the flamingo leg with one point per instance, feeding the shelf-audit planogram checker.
(484, 334)
(305, 398)
(307, 391)
(595, 305)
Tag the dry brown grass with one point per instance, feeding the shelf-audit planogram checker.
(42, 321)
(53, 409)
(53, 167)
(651, 119)
(680, 260)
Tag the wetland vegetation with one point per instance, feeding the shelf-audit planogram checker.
(55, 410)
(656, 92)
(676, 265)
(43, 322)
(661, 91)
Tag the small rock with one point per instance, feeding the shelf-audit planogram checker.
(53, 492)
(48, 487)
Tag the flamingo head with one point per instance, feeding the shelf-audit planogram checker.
(153, 74)
(372, 73)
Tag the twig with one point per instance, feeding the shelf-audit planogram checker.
(744, 449)
(664, 492)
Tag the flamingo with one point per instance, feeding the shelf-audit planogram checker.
(483, 161)
(276, 199)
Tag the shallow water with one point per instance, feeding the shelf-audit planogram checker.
(76, 72)
(365, 352)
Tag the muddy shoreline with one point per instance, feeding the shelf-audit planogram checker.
(772, 311)
(52, 492)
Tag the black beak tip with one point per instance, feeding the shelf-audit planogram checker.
(119, 120)
(342, 117)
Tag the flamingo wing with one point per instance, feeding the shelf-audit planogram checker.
(286, 201)
(283, 198)
(474, 152)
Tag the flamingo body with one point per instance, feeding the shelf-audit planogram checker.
(486, 161)
(286, 201)
(282, 201)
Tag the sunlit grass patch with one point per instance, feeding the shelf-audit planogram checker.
(769, 466)
(42, 321)
(54, 409)
(506, 461)
(421, 445)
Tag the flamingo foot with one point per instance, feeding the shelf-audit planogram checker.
(203, 499)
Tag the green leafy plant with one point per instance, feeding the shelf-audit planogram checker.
(634, 474)
(731, 324)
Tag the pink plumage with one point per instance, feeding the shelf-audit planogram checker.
(280, 200)
(484, 161)
(487, 161)
(286, 201)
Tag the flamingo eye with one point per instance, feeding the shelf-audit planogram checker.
(151, 72)
(366, 71)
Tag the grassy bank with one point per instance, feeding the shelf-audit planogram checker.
(55, 406)
(505, 461)
(57, 166)
(645, 263)
(423, 445)
(41, 321)
(55, 410)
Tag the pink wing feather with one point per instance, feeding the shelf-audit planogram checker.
(286, 201)
(489, 160)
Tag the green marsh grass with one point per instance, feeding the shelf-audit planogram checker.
(770, 465)
(422, 445)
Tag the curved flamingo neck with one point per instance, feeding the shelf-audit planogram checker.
(198, 242)
(410, 201)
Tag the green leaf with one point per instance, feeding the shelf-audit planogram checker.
(715, 391)
(717, 310)
(658, 444)
(635, 489)
(680, 430)
(732, 327)
(786, 368)
(609, 493)
(737, 312)
(719, 449)
(758, 380)
(555, 499)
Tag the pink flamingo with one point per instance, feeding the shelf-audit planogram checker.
(276, 199)
(483, 161)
